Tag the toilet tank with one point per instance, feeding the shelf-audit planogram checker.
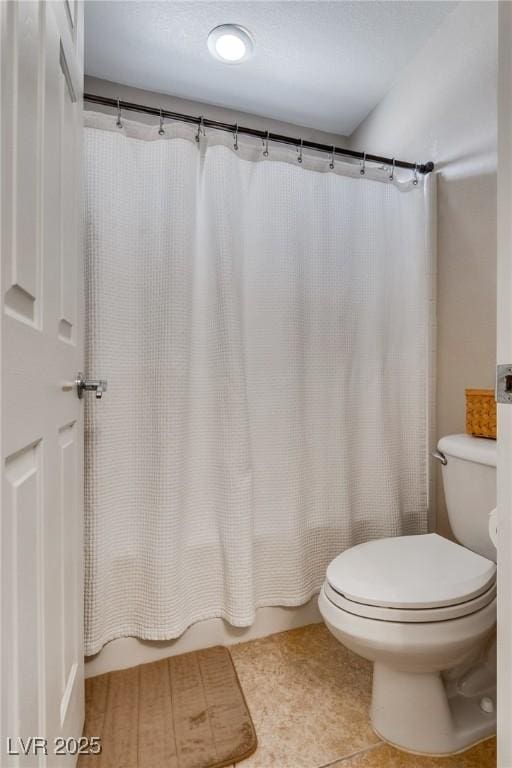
(469, 481)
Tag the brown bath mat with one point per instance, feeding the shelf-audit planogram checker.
(182, 712)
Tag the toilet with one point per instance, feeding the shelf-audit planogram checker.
(423, 610)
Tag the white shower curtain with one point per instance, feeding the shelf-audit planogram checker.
(264, 329)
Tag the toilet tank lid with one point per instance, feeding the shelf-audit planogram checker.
(481, 450)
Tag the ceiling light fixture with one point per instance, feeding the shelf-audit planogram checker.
(230, 43)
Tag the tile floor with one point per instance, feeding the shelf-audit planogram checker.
(309, 699)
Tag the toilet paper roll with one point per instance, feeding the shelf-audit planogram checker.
(493, 527)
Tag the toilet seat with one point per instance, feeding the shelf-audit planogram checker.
(410, 615)
(411, 578)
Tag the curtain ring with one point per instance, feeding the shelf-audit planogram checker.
(161, 130)
(392, 174)
(200, 129)
(119, 122)
(265, 144)
(331, 164)
(235, 137)
(363, 167)
(299, 159)
(415, 177)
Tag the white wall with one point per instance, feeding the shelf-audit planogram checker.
(443, 108)
(174, 104)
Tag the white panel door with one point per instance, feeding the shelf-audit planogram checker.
(41, 550)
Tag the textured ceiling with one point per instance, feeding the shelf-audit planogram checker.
(324, 65)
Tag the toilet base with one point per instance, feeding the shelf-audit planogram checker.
(422, 713)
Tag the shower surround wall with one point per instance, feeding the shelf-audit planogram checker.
(444, 108)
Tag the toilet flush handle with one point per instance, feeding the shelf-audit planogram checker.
(440, 457)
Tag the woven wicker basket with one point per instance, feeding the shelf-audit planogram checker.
(481, 413)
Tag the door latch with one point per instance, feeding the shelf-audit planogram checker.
(90, 385)
(504, 384)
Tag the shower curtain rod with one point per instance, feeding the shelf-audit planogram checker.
(204, 122)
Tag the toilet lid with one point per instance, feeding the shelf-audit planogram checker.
(425, 571)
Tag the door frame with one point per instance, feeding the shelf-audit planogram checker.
(504, 355)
